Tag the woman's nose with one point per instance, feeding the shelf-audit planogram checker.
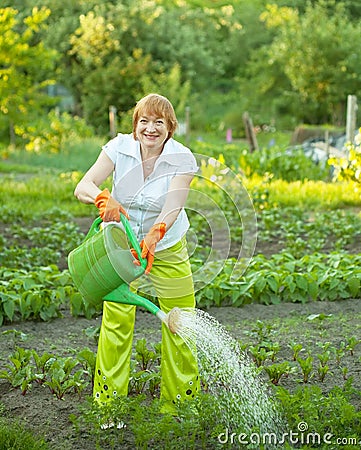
(150, 126)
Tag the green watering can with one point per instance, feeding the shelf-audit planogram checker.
(103, 266)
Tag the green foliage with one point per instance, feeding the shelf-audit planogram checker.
(282, 164)
(25, 68)
(108, 53)
(282, 278)
(315, 93)
(332, 413)
(37, 294)
(61, 377)
(59, 374)
(145, 369)
(298, 231)
(50, 134)
(16, 436)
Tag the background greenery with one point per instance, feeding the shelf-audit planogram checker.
(286, 62)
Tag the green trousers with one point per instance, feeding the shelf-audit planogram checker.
(172, 280)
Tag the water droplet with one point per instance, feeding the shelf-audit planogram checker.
(243, 399)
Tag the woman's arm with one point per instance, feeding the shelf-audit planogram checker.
(175, 199)
(87, 189)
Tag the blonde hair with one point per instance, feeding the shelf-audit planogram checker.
(155, 104)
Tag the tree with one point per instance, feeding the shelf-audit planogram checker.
(317, 52)
(25, 63)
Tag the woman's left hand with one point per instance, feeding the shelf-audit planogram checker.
(148, 244)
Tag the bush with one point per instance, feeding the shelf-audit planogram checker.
(49, 134)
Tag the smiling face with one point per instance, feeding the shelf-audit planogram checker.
(152, 132)
(154, 122)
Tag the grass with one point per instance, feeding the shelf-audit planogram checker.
(76, 156)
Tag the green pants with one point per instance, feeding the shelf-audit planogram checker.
(172, 280)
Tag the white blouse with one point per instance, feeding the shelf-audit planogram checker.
(144, 198)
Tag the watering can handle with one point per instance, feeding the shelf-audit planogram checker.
(95, 228)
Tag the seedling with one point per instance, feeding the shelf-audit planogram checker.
(344, 371)
(61, 379)
(277, 371)
(296, 349)
(259, 354)
(351, 344)
(322, 371)
(20, 373)
(324, 357)
(41, 364)
(87, 359)
(306, 366)
(339, 352)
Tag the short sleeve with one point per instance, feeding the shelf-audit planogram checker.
(187, 164)
(111, 147)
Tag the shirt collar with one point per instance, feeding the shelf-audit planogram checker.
(171, 154)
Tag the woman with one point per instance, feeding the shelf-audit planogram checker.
(151, 178)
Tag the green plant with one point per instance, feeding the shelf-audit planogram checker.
(37, 294)
(352, 342)
(277, 371)
(87, 358)
(61, 377)
(42, 363)
(324, 357)
(259, 354)
(145, 368)
(16, 436)
(332, 412)
(296, 349)
(19, 373)
(306, 365)
(322, 371)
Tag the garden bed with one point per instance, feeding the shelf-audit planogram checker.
(287, 323)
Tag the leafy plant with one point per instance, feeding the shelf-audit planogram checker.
(306, 365)
(37, 294)
(19, 373)
(61, 377)
(277, 371)
(352, 342)
(322, 370)
(296, 349)
(145, 368)
(322, 412)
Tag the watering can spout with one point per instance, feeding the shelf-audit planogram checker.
(123, 294)
(171, 319)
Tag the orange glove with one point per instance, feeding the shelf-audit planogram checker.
(148, 244)
(109, 208)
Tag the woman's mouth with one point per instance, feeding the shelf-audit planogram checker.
(151, 136)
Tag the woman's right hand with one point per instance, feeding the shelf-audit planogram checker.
(109, 208)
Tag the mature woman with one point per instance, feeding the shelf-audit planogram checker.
(151, 178)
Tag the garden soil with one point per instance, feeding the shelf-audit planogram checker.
(48, 416)
(312, 325)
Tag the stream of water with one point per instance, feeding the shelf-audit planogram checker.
(244, 402)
